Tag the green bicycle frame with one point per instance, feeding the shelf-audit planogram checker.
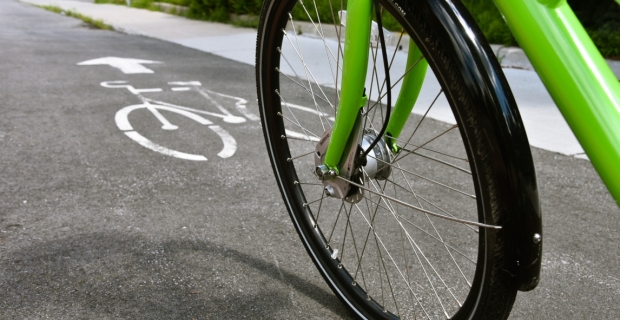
(357, 38)
(575, 74)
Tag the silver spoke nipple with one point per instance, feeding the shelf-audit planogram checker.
(289, 159)
(282, 137)
(537, 238)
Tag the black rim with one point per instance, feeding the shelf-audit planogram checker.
(313, 238)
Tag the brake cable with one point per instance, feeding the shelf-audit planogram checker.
(362, 158)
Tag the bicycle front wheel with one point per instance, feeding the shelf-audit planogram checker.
(402, 251)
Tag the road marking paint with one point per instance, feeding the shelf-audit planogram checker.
(230, 144)
(240, 104)
(126, 65)
(297, 135)
(138, 91)
(306, 109)
(123, 123)
(121, 84)
(230, 118)
(155, 106)
(163, 103)
(166, 125)
(185, 83)
(157, 148)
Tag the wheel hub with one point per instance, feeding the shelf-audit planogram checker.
(376, 166)
(379, 159)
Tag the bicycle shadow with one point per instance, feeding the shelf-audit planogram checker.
(119, 275)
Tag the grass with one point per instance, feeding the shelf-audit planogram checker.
(150, 5)
(99, 24)
(141, 4)
(490, 21)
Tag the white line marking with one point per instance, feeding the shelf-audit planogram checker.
(181, 89)
(240, 104)
(185, 83)
(229, 116)
(162, 103)
(138, 91)
(293, 134)
(155, 147)
(123, 123)
(126, 65)
(306, 109)
(166, 125)
(230, 144)
(121, 84)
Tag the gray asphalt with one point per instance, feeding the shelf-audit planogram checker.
(95, 226)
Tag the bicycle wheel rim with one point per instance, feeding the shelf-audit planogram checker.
(316, 241)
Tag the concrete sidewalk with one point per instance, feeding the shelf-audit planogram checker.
(545, 126)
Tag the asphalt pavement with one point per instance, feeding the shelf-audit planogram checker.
(544, 123)
(97, 223)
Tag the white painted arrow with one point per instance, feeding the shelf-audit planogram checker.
(126, 65)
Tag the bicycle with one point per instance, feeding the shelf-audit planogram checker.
(229, 144)
(405, 216)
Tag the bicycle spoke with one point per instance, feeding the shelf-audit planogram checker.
(427, 201)
(305, 88)
(307, 204)
(335, 223)
(309, 76)
(397, 81)
(414, 244)
(379, 241)
(427, 179)
(296, 121)
(436, 231)
(473, 223)
(427, 142)
(410, 232)
(300, 156)
(320, 32)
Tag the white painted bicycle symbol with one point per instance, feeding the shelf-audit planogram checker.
(155, 106)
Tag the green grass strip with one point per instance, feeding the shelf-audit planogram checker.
(97, 23)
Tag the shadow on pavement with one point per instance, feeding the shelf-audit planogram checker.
(119, 275)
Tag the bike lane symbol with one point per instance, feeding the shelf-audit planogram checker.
(154, 106)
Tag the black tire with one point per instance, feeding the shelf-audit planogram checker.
(413, 264)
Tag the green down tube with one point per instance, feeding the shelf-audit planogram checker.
(576, 75)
